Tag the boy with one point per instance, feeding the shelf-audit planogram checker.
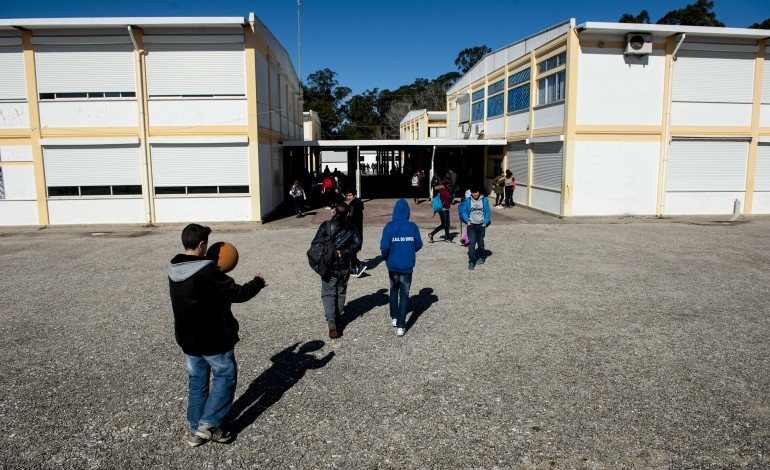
(399, 244)
(206, 331)
(474, 211)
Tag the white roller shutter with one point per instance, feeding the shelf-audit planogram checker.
(714, 76)
(78, 68)
(518, 162)
(762, 176)
(200, 165)
(547, 165)
(13, 85)
(703, 165)
(98, 165)
(196, 69)
(766, 81)
(464, 108)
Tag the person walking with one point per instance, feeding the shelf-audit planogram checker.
(510, 186)
(498, 186)
(334, 288)
(399, 243)
(298, 193)
(446, 203)
(207, 331)
(474, 211)
(452, 177)
(416, 187)
(356, 217)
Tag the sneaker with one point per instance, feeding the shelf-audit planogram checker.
(481, 260)
(193, 440)
(360, 271)
(214, 434)
(430, 238)
(471, 266)
(400, 331)
(334, 334)
(446, 240)
(393, 322)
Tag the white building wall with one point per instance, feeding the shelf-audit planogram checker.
(202, 209)
(619, 90)
(19, 182)
(518, 122)
(96, 211)
(701, 203)
(549, 116)
(14, 115)
(761, 203)
(495, 127)
(16, 153)
(16, 213)
(89, 113)
(194, 112)
(710, 114)
(764, 113)
(614, 178)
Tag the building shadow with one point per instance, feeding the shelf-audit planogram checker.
(360, 306)
(419, 304)
(289, 366)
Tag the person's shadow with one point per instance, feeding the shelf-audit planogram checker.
(358, 307)
(288, 368)
(374, 262)
(419, 304)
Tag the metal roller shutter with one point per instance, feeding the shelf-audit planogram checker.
(518, 161)
(12, 83)
(707, 165)
(766, 81)
(762, 176)
(547, 165)
(200, 165)
(78, 68)
(92, 165)
(196, 69)
(714, 76)
(464, 108)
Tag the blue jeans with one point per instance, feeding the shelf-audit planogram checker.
(400, 283)
(444, 216)
(476, 236)
(206, 406)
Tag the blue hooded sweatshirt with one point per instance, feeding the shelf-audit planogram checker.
(400, 240)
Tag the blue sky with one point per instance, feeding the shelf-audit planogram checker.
(389, 43)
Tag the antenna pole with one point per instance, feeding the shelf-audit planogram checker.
(299, 42)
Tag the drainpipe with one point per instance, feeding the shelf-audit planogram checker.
(667, 127)
(143, 147)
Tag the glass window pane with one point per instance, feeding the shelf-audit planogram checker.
(170, 190)
(201, 190)
(496, 87)
(234, 189)
(477, 111)
(126, 190)
(477, 95)
(95, 191)
(541, 91)
(519, 77)
(495, 105)
(54, 191)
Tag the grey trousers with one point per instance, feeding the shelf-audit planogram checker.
(333, 295)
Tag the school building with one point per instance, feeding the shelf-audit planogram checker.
(607, 119)
(143, 120)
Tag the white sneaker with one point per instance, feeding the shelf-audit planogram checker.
(393, 322)
(400, 331)
(360, 270)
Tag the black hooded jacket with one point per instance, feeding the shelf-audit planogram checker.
(201, 296)
(345, 238)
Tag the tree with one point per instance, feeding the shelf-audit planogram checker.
(696, 14)
(323, 95)
(763, 25)
(467, 58)
(642, 18)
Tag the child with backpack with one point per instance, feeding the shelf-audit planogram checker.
(298, 193)
(442, 202)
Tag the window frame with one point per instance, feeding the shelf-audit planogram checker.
(516, 85)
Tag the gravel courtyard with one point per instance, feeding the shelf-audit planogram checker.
(577, 345)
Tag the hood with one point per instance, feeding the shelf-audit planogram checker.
(184, 267)
(401, 210)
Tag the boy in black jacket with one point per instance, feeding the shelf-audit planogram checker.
(206, 331)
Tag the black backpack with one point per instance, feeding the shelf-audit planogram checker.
(322, 253)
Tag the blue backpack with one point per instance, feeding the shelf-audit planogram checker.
(438, 206)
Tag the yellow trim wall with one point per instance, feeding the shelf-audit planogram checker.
(34, 122)
(251, 45)
(570, 120)
(751, 164)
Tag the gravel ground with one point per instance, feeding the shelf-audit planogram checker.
(574, 346)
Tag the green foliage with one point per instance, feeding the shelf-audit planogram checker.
(763, 25)
(323, 95)
(642, 18)
(467, 58)
(696, 14)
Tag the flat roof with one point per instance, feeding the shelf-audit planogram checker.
(664, 30)
(393, 143)
(34, 23)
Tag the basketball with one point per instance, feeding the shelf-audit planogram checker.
(224, 255)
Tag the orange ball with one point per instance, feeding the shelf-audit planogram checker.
(224, 255)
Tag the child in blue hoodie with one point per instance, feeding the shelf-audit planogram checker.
(400, 241)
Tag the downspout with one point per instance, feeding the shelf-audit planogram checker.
(143, 147)
(667, 127)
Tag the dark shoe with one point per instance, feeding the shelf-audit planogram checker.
(447, 240)
(471, 266)
(481, 260)
(193, 440)
(430, 238)
(214, 434)
(334, 334)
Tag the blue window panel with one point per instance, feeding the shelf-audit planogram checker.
(519, 77)
(495, 105)
(477, 95)
(477, 111)
(518, 98)
(496, 87)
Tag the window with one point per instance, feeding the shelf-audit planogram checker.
(437, 132)
(551, 88)
(119, 190)
(495, 101)
(186, 190)
(2, 184)
(552, 63)
(176, 169)
(88, 96)
(93, 170)
(477, 108)
(518, 92)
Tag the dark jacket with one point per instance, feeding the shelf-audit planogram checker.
(400, 240)
(201, 296)
(356, 214)
(345, 238)
(446, 199)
